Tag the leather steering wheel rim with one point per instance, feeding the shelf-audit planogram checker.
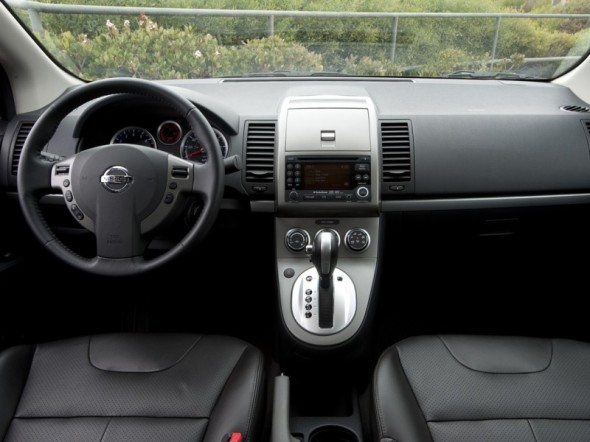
(34, 177)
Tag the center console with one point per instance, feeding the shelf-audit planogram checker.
(327, 199)
(327, 229)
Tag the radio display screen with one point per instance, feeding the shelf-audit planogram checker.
(327, 176)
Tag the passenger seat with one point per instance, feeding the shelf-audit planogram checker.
(482, 388)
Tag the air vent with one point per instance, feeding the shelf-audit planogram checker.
(21, 137)
(572, 108)
(396, 150)
(260, 152)
(586, 124)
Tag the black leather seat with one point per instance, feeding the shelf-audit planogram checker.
(132, 387)
(482, 388)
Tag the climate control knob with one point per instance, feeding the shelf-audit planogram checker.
(297, 239)
(357, 239)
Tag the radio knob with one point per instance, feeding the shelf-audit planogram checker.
(362, 192)
(297, 239)
(294, 196)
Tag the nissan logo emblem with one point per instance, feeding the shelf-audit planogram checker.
(116, 179)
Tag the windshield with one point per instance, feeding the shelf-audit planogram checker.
(176, 39)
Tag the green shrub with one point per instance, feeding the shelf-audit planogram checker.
(147, 50)
(358, 45)
(369, 67)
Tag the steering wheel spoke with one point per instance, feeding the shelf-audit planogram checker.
(40, 173)
(118, 232)
(178, 182)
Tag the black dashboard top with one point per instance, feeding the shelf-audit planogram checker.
(468, 138)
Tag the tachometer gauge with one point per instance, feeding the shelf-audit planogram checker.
(192, 149)
(134, 135)
(169, 132)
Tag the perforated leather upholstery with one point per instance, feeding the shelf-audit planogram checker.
(131, 387)
(482, 388)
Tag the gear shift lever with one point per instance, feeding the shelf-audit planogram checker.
(324, 256)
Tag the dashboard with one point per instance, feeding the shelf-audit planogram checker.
(439, 144)
(338, 155)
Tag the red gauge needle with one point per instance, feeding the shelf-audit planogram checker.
(196, 152)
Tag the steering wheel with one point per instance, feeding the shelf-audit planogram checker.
(120, 192)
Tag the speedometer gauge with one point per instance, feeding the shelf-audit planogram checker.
(134, 135)
(192, 149)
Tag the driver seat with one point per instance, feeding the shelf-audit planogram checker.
(132, 387)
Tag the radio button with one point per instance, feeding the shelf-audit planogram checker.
(309, 197)
(366, 177)
(297, 166)
(362, 167)
(358, 177)
(294, 196)
(290, 166)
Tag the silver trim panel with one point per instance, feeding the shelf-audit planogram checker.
(360, 267)
(344, 302)
(484, 203)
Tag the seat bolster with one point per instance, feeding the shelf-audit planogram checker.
(398, 415)
(15, 363)
(244, 386)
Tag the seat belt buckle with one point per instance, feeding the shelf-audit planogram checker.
(234, 437)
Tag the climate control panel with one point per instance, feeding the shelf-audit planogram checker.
(356, 240)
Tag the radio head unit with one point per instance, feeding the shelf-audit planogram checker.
(327, 178)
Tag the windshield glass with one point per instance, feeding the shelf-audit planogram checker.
(507, 39)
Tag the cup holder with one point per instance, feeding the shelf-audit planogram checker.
(333, 433)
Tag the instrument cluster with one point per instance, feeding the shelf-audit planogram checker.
(171, 137)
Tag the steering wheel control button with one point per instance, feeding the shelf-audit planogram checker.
(289, 272)
(307, 306)
(308, 292)
(66, 183)
(173, 185)
(180, 172)
(308, 299)
(69, 196)
(77, 212)
(297, 239)
(116, 179)
(308, 315)
(357, 239)
(169, 198)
